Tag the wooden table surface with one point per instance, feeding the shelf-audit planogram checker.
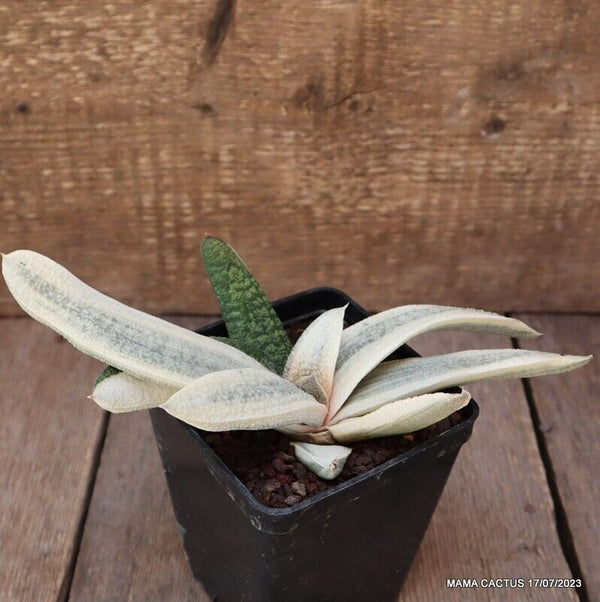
(85, 514)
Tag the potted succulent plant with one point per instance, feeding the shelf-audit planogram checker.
(329, 390)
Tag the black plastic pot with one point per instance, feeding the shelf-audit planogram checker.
(352, 543)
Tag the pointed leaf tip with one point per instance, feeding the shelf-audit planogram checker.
(311, 363)
(249, 317)
(326, 461)
(368, 342)
(400, 379)
(121, 392)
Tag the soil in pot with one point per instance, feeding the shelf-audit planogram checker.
(264, 461)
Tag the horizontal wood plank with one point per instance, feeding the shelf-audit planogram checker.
(432, 152)
(568, 408)
(495, 518)
(49, 433)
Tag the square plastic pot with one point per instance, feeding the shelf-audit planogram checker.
(354, 542)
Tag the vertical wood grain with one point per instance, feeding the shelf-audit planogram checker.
(495, 519)
(49, 433)
(131, 547)
(569, 423)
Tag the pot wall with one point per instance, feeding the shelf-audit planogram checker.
(353, 542)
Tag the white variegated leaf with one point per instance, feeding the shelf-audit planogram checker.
(244, 399)
(125, 393)
(413, 376)
(311, 363)
(326, 461)
(368, 342)
(400, 417)
(133, 341)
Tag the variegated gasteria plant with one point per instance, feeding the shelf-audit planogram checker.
(331, 389)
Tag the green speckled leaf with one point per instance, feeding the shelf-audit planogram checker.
(252, 350)
(248, 315)
(106, 373)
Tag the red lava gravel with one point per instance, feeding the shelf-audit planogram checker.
(264, 461)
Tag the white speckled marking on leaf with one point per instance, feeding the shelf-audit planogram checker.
(244, 399)
(131, 340)
(399, 417)
(368, 342)
(400, 379)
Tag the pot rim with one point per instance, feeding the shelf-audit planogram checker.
(245, 497)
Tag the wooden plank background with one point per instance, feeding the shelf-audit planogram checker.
(495, 517)
(49, 442)
(568, 412)
(445, 151)
(131, 547)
